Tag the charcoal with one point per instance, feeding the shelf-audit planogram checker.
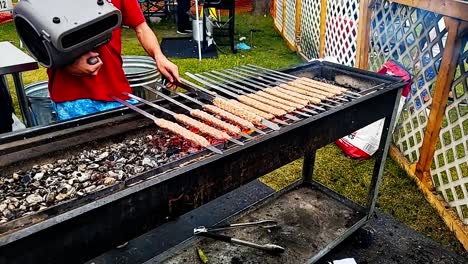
(42, 185)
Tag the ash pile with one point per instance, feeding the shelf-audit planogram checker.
(31, 190)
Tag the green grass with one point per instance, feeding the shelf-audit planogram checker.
(399, 195)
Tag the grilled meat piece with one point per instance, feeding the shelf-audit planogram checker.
(274, 91)
(272, 102)
(236, 110)
(204, 128)
(280, 100)
(321, 85)
(226, 115)
(302, 91)
(179, 130)
(252, 109)
(261, 106)
(215, 121)
(314, 89)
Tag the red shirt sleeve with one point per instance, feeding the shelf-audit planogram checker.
(132, 15)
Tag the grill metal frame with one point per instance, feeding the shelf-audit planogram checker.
(82, 229)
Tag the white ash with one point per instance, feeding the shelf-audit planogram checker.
(30, 190)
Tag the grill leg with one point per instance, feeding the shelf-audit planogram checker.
(308, 166)
(380, 157)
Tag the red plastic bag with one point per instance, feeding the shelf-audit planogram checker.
(363, 143)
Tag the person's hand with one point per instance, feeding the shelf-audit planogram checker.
(81, 67)
(167, 68)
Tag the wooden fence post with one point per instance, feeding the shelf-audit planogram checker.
(298, 18)
(284, 17)
(443, 87)
(323, 27)
(363, 37)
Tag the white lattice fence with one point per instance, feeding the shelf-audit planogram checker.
(290, 22)
(310, 28)
(415, 39)
(450, 167)
(341, 30)
(279, 15)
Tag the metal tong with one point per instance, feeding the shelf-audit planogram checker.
(209, 233)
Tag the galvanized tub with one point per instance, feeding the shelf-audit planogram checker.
(40, 104)
(141, 70)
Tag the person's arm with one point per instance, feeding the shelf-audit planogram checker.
(150, 43)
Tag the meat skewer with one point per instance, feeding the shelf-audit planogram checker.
(245, 100)
(238, 111)
(268, 77)
(300, 96)
(220, 112)
(201, 115)
(292, 77)
(312, 90)
(285, 105)
(326, 95)
(259, 105)
(262, 86)
(252, 109)
(275, 92)
(272, 102)
(211, 96)
(302, 91)
(249, 108)
(186, 120)
(173, 127)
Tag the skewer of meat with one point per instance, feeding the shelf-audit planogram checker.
(261, 106)
(226, 115)
(314, 90)
(183, 132)
(267, 78)
(230, 107)
(321, 84)
(273, 103)
(215, 121)
(288, 77)
(171, 126)
(184, 119)
(280, 100)
(275, 92)
(302, 91)
(252, 109)
(204, 128)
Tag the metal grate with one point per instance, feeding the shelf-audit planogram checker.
(416, 39)
(341, 30)
(310, 28)
(279, 15)
(450, 167)
(290, 29)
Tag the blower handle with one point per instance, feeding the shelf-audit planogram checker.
(92, 60)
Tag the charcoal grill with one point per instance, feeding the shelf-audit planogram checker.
(80, 229)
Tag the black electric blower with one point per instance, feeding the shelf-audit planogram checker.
(57, 32)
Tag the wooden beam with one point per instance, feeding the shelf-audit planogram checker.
(443, 87)
(298, 17)
(363, 37)
(284, 17)
(323, 27)
(436, 201)
(452, 8)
